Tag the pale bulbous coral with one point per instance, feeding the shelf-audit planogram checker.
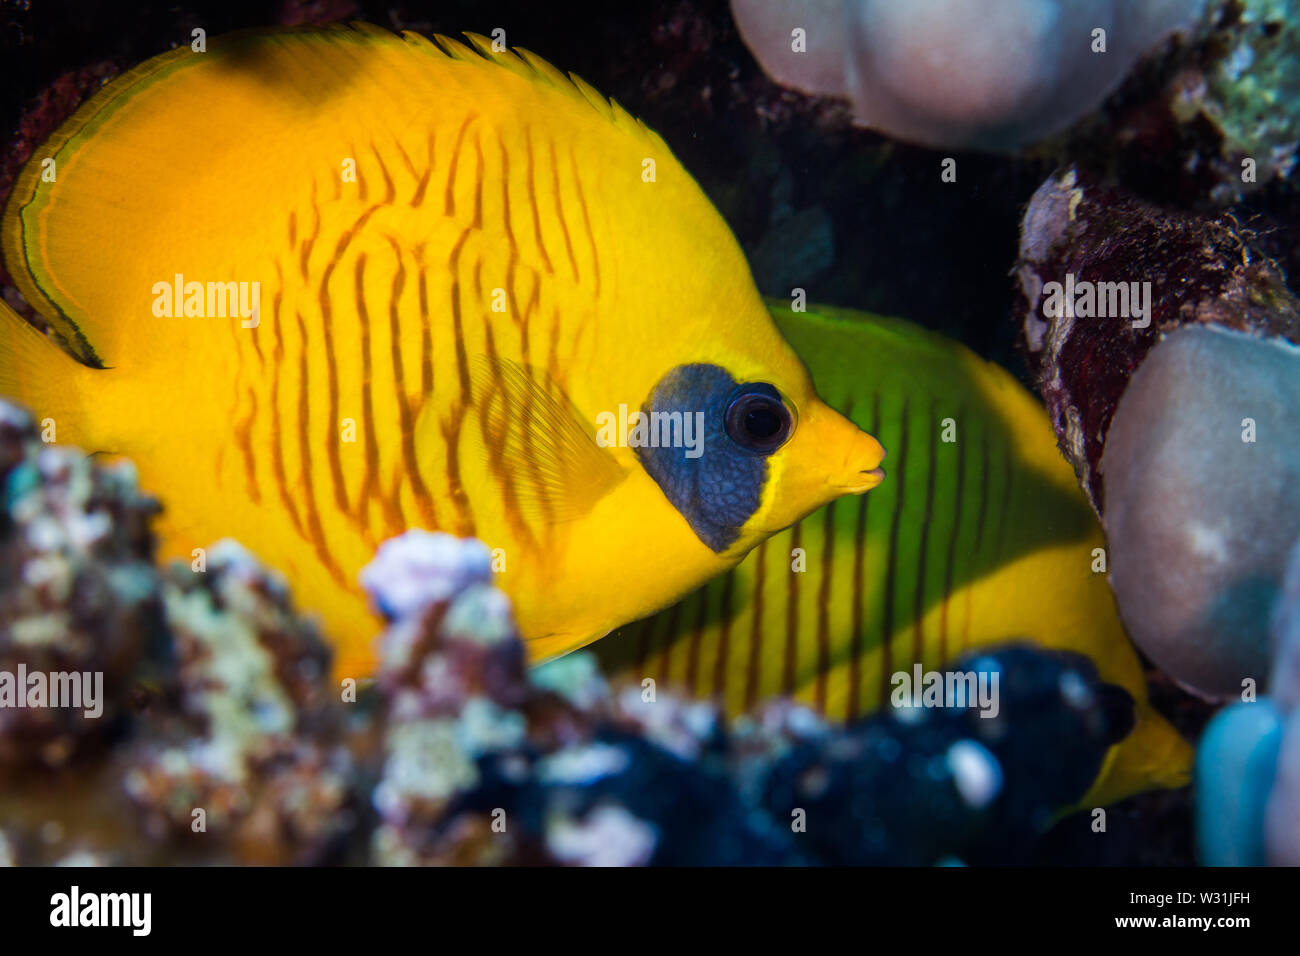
(960, 73)
(1248, 767)
(1201, 467)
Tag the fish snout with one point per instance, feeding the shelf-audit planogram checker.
(833, 457)
(860, 469)
(857, 478)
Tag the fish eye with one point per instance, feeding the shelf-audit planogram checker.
(757, 420)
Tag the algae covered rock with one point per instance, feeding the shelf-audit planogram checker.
(1104, 274)
(1163, 345)
(1239, 99)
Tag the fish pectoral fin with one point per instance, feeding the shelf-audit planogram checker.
(534, 434)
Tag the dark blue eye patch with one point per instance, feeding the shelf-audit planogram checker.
(718, 491)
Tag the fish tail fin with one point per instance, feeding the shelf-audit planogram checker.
(1153, 756)
(37, 373)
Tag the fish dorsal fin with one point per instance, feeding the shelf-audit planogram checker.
(194, 161)
(536, 437)
(532, 67)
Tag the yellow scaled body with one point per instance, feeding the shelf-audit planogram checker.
(460, 258)
(979, 537)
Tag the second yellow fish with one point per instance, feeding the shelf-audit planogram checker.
(980, 538)
(324, 285)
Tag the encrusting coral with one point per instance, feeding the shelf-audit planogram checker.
(1236, 103)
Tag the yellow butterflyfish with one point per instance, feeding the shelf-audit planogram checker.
(324, 285)
(980, 537)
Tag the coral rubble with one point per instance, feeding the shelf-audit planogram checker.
(77, 591)
(1199, 269)
(234, 746)
(485, 764)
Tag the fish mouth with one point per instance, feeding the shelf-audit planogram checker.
(870, 478)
